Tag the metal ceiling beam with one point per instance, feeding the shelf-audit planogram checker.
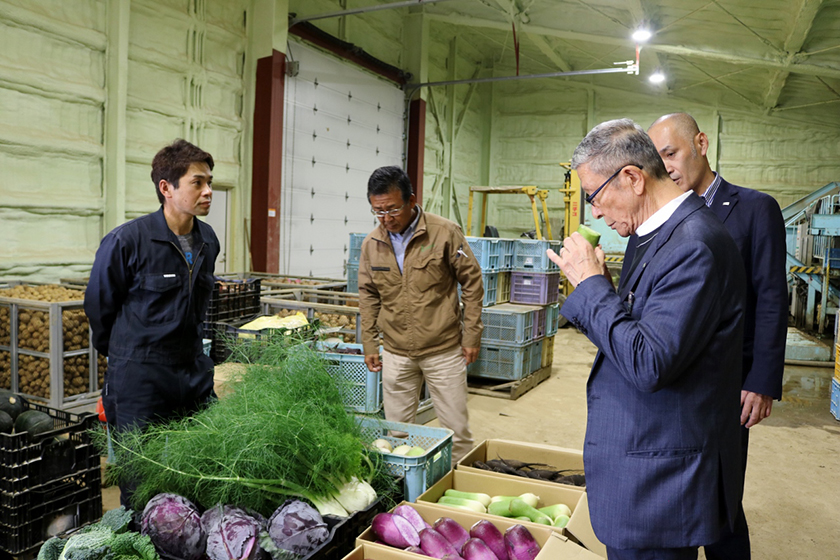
(773, 63)
(364, 10)
(542, 43)
(796, 39)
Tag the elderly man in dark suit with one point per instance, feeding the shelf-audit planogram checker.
(755, 222)
(662, 449)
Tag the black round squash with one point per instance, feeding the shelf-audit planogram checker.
(34, 422)
(10, 403)
(6, 423)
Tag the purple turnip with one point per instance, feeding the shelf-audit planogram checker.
(452, 531)
(413, 517)
(477, 549)
(435, 545)
(520, 543)
(491, 536)
(395, 530)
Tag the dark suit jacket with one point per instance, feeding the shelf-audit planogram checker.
(755, 222)
(662, 453)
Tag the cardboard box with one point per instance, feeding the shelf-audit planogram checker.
(581, 529)
(549, 492)
(557, 457)
(378, 552)
(554, 546)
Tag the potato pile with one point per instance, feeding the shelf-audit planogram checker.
(34, 334)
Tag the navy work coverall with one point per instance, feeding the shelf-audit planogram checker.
(146, 310)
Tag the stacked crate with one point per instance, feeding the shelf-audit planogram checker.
(45, 350)
(518, 336)
(53, 475)
(355, 253)
(232, 301)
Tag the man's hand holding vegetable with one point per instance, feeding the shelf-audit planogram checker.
(579, 260)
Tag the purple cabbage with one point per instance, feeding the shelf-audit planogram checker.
(297, 527)
(232, 534)
(174, 525)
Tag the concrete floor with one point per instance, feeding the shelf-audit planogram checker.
(792, 495)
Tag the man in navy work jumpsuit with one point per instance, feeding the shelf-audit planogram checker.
(148, 295)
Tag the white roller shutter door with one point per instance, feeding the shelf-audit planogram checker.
(340, 124)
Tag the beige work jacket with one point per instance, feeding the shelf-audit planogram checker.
(417, 311)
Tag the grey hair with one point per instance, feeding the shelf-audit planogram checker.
(613, 144)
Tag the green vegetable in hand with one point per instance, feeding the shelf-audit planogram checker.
(589, 234)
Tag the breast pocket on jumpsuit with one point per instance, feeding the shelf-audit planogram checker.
(160, 297)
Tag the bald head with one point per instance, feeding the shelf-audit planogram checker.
(683, 148)
(682, 123)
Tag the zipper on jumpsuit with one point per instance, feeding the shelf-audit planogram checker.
(189, 269)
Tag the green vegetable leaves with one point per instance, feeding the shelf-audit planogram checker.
(283, 432)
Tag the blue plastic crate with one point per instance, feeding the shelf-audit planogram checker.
(499, 361)
(508, 324)
(487, 251)
(539, 322)
(529, 255)
(355, 251)
(364, 387)
(507, 249)
(552, 319)
(536, 355)
(421, 472)
(353, 278)
(490, 281)
(835, 398)
(534, 289)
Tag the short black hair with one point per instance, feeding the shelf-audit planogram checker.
(172, 162)
(386, 179)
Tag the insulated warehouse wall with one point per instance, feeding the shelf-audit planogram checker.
(536, 123)
(456, 119)
(52, 94)
(89, 91)
(186, 79)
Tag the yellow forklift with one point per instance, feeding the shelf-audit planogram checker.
(572, 205)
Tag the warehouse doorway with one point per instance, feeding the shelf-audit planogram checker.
(218, 220)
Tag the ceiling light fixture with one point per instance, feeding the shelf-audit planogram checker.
(642, 35)
(657, 77)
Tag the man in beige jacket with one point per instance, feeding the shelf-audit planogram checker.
(409, 272)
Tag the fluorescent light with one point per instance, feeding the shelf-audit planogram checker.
(642, 35)
(657, 77)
